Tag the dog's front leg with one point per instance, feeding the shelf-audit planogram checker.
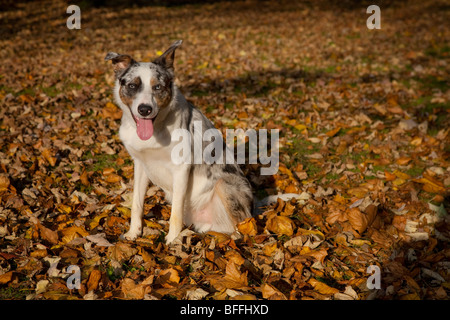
(180, 182)
(140, 187)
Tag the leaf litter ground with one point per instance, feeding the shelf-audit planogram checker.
(364, 133)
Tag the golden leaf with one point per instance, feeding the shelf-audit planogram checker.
(168, 278)
(234, 256)
(403, 161)
(4, 183)
(94, 279)
(359, 192)
(248, 226)
(73, 232)
(113, 178)
(268, 249)
(322, 287)
(431, 185)
(389, 176)
(270, 292)
(48, 155)
(280, 225)
(233, 278)
(333, 132)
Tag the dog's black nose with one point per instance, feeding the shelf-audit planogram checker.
(145, 109)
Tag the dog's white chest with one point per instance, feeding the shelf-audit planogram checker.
(154, 157)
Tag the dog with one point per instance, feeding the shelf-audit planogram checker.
(207, 196)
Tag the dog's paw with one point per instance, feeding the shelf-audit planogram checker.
(171, 236)
(130, 236)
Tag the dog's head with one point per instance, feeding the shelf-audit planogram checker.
(144, 87)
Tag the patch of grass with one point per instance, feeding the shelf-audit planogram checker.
(414, 171)
(332, 176)
(50, 91)
(14, 293)
(432, 82)
(298, 151)
(380, 168)
(199, 93)
(28, 91)
(438, 52)
(98, 162)
(330, 69)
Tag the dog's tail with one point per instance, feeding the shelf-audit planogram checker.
(258, 205)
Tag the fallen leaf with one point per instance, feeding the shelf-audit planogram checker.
(248, 226)
(131, 290)
(121, 251)
(94, 279)
(72, 233)
(4, 183)
(7, 277)
(322, 287)
(333, 132)
(47, 234)
(280, 225)
(270, 292)
(168, 278)
(49, 156)
(358, 220)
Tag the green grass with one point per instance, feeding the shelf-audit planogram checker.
(414, 171)
(15, 293)
(98, 162)
(298, 151)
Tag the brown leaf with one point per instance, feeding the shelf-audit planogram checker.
(111, 111)
(431, 185)
(359, 192)
(280, 225)
(268, 249)
(4, 183)
(399, 222)
(121, 251)
(47, 234)
(389, 176)
(49, 156)
(7, 277)
(358, 220)
(270, 292)
(131, 290)
(248, 226)
(113, 178)
(333, 132)
(73, 232)
(84, 178)
(319, 255)
(168, 278)
(234, 256)
(108, 171)
(322, 287)
(403, 161)
(233, 278)
(94, 279)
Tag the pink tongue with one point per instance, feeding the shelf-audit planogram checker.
(144, 128)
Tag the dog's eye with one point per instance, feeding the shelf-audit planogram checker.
(157, 87)
(131, 86)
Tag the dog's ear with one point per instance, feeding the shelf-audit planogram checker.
(120, 62)
(167, 58)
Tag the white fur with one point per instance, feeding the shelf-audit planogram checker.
(184, 189)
